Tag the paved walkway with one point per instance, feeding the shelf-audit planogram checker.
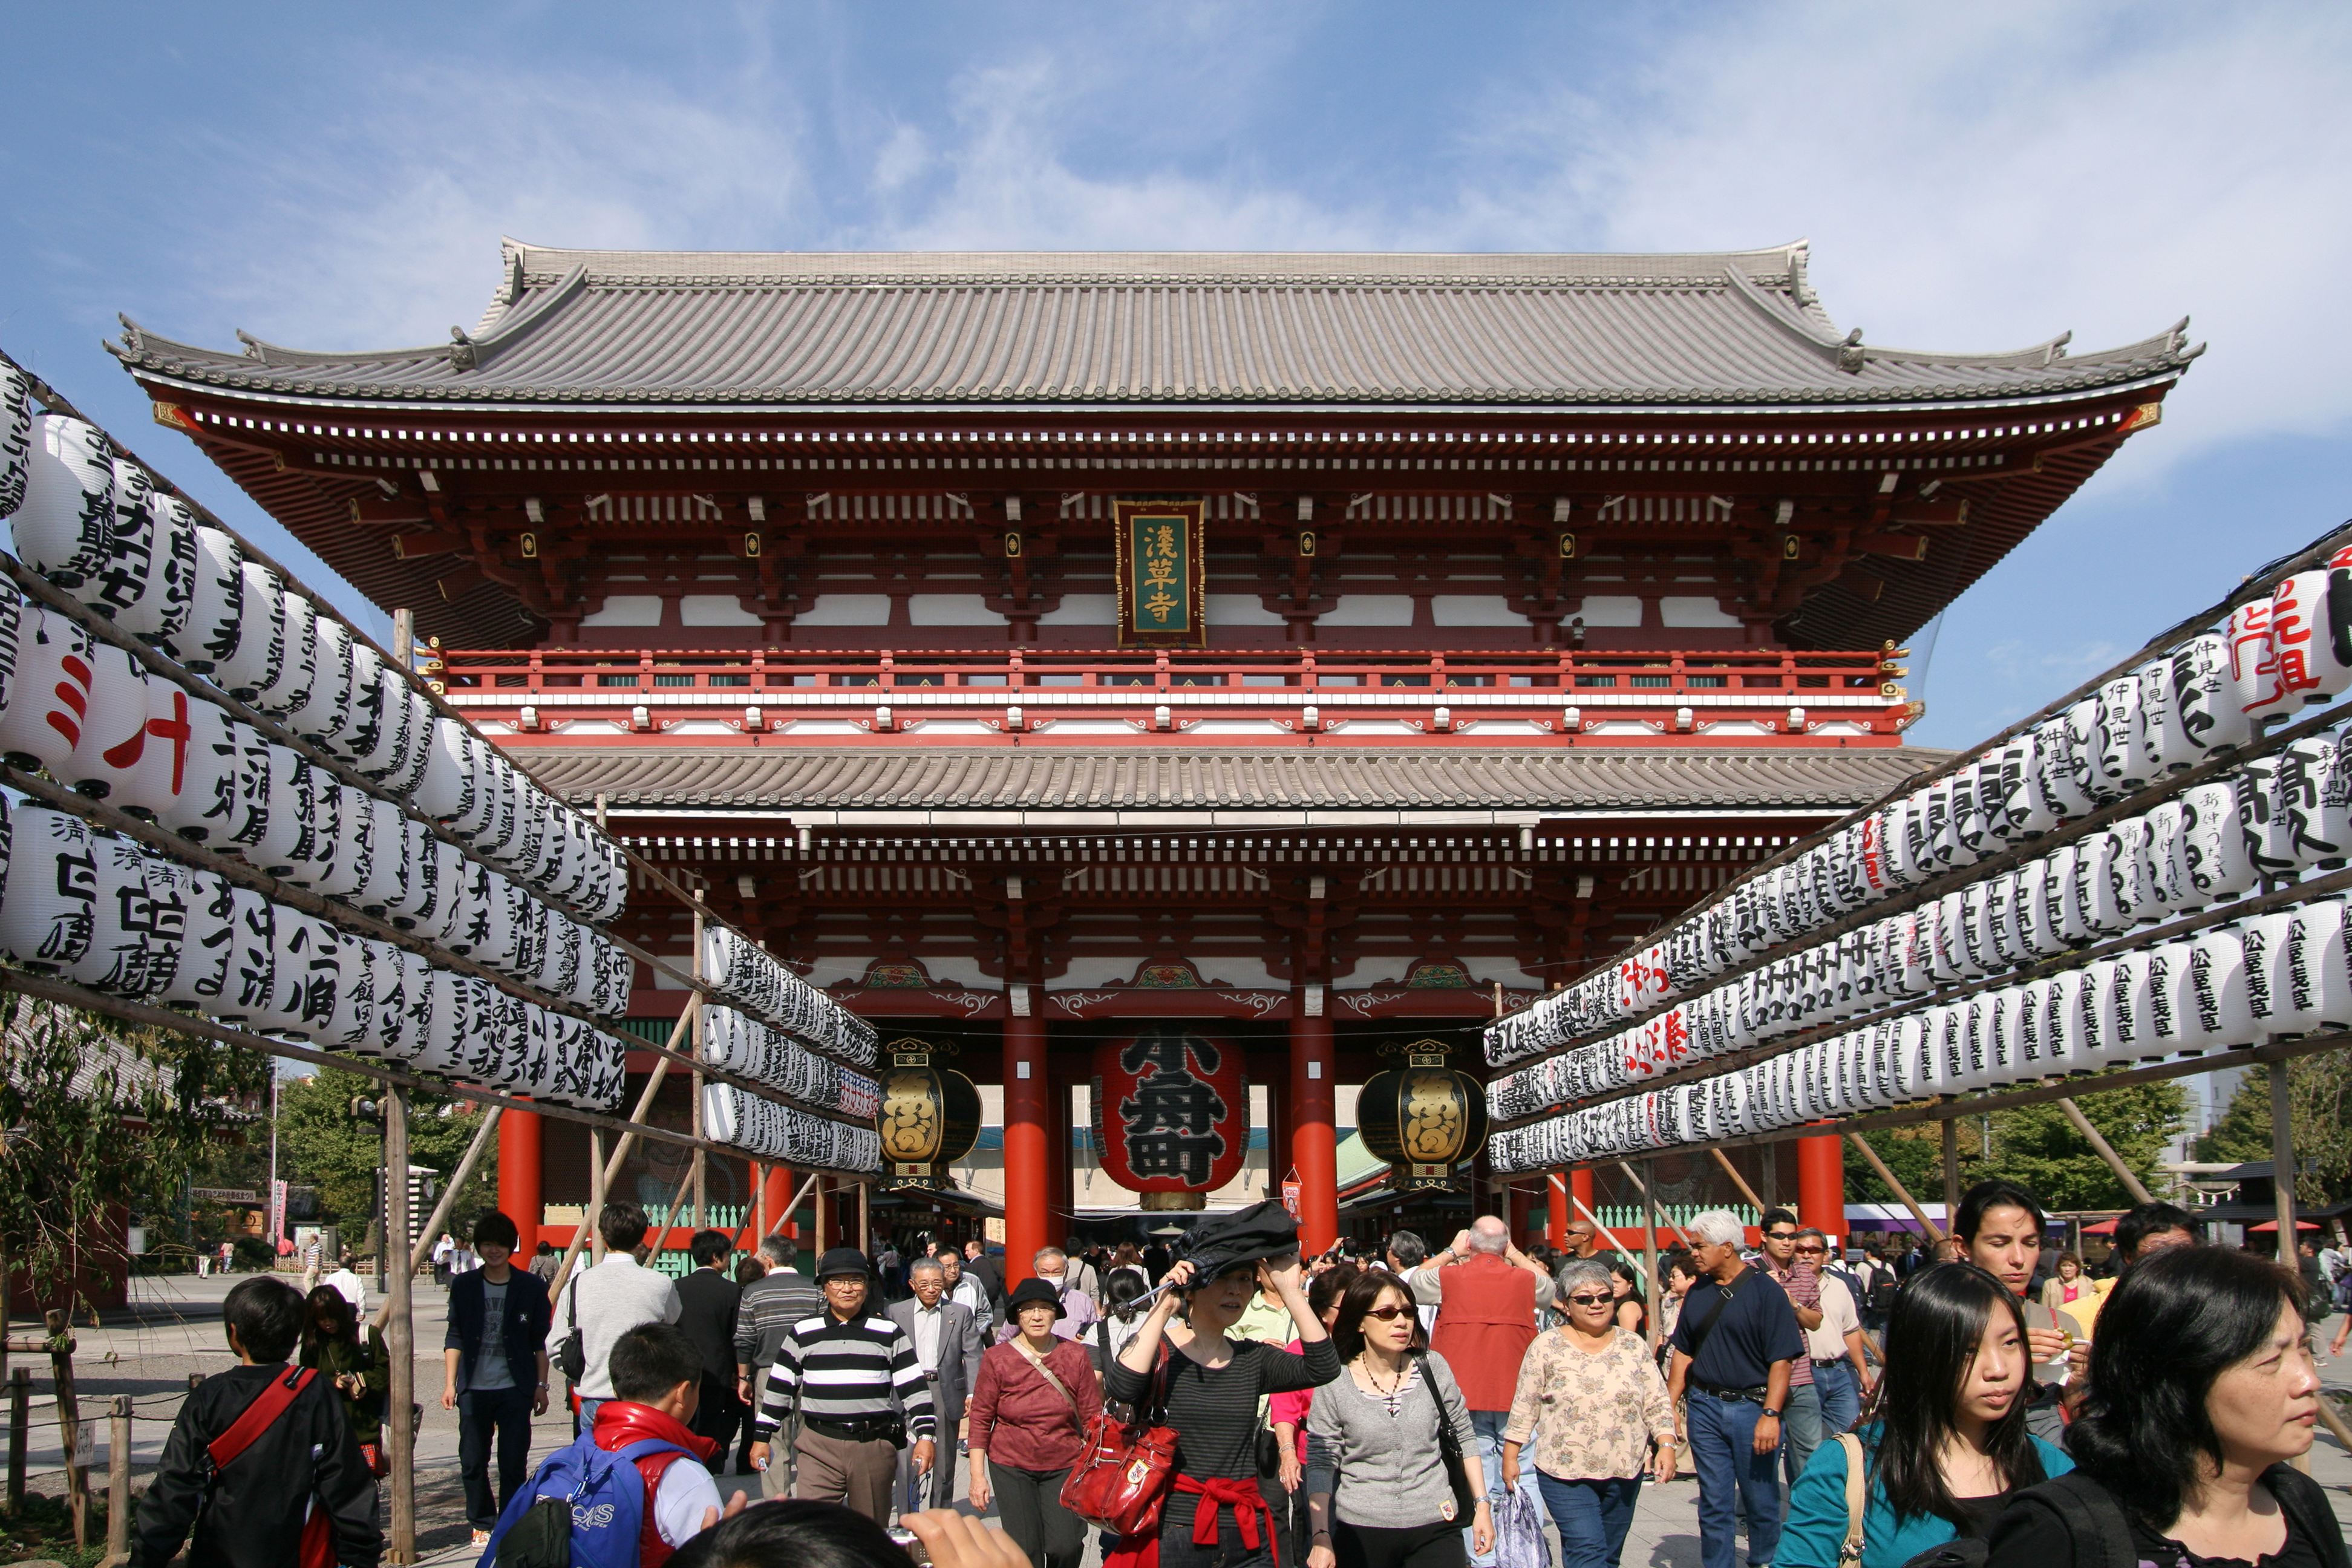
(172, 1329)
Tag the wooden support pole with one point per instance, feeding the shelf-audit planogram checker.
(1654, 1291)
(823, 1237)
(2282, 1170)
(2106, 1151)
(776, 1221)
(117, 1482)
(1655, 1213)
(400, 1335)
(61, 1349)
(587, 1227)
(441, 1210)
(1897, 1188)
(1951, 1131)
(20, 1427)
(866, 1218)
(1738, 1181)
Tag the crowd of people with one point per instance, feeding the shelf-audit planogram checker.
(1979, 1398)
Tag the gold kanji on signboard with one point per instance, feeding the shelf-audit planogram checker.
(1159, 573)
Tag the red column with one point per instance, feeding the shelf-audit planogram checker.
(1821, 1184)
(1313, 1140)
(1557, 1210)
(518, 1176)
(1516, 1201)
(1028, 1160)
(1579, 1187)
(780, 1187)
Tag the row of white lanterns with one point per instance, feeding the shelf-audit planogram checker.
(781, 1132)
(752, 980)
(2276, 976)
(2171, 713)
(746, 1045)
(2277, 816)
(109, 913)
(94, 524)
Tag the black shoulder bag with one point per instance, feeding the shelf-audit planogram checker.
(1705, 1326)
(571, 1351)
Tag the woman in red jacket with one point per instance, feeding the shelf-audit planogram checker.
(1029, 1411)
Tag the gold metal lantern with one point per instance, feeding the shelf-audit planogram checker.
(1425, 1119)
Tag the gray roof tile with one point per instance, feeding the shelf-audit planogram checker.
(1043, 328)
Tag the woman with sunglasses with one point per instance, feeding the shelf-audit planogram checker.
(1945, 1442)
(1210, 1390)
(1379, 1489)
(1592, 1407)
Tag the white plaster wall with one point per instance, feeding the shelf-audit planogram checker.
(1240, 610)
(845, 610)
(1474, 610)
(714, 610)
(627, 610)
(1681, 610)
(1369, 610)
(1084, 610)
(1612, 610)
(950, 610)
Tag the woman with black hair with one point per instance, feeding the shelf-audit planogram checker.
(1945, 1441)
(2202, 1392)
(1215, 1516)
(1380, 1492)
(1633, 1309)
(360, 1374)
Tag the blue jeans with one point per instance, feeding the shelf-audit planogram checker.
(1732, 1479)
(588, 1408)
(1800, 1430)
(1488, 1427)
(1840, 1397)
(1592, 1518)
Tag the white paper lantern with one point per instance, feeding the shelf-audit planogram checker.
(350, 856)
(2311, 800)
(158, 611)
(408, 768)
(65, 527)
(2253, 662)
(2066, 1029)
(49, 910)
(2096, 884)
(123, 957)
(2056, 777)
(390, 848)
(215, 603)
(2269, 991)
(2217, 979)
(249, 991)
(207, 943)
(363, 729)
(105, 761)
(259, 649)
(2221, 864)
(350, 1024)
(417, 893)
(2311, 636)
(447, 792)
(391, 971)
(49, 695)
(121, 577)
(2204, 685)
(2164, 743)
(2121, 735)
(2315, 993)
(16, 436)
(326, 712)
(292, 812)
(13, 614)
(2173, 998)
(2025, 811)
(288, 688)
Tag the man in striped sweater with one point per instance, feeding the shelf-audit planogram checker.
(851, 1373)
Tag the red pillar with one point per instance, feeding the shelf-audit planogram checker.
(1579, 1187)
(1314, 1139)
(779, 1192)
(1821, 1184)
(1557, 1210)
(1516, 1202)
(1028, 1158)
(518, 1176)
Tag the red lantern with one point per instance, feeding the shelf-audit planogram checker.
(1171, 1114)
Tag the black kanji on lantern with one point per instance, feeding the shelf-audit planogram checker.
(1170, 1122)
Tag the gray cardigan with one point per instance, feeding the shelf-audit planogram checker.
(1387, 1472)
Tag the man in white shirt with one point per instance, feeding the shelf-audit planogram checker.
(441, 1250)
(608, 1300)
(351, 1287)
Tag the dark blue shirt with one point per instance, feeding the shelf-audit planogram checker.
(1755, 1328)
(524, 1325)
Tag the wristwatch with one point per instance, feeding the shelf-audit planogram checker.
(1772, 1413)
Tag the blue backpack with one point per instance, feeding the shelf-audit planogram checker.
(584, 1509)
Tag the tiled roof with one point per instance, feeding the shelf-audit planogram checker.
(1148, 778)
(1091, 329)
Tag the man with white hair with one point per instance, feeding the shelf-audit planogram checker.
(1487, 1292)
(1733, 1345)
(1052, 1264)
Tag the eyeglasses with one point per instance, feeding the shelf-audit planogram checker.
(1387, 1315)
(1589, 1300)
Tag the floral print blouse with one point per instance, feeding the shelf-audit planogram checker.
(1587, 1417)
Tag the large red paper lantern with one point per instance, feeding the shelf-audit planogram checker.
(1171, 1114)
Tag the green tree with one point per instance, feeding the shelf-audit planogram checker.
(1915, 1155)
(2319, 1104)
(101, 1116)
(320, 1144)
(2038, 1148)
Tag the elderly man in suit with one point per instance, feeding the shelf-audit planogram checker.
(947, 1346)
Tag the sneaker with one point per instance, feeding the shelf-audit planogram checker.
(481, 1538)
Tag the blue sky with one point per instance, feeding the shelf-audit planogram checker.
(1971, 178)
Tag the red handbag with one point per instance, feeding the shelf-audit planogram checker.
(1123, 1482)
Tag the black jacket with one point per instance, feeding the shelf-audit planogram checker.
(527, 1322)
(707, 1301)
(253, 1516)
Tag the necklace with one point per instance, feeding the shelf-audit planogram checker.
(1389, 1395)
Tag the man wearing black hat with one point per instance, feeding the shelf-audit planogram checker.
(843, 1368)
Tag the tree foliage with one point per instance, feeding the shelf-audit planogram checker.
(320, 1144)
(2036, 1147)
(101, 1115)
(2319, 1111)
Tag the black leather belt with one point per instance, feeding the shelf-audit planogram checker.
(1731, 1396)
(874, 1428)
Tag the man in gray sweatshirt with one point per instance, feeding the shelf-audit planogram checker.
(608, 1300)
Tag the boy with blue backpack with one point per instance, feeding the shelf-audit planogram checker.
(632, 1488)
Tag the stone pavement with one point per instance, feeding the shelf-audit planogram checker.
(172, 1329)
